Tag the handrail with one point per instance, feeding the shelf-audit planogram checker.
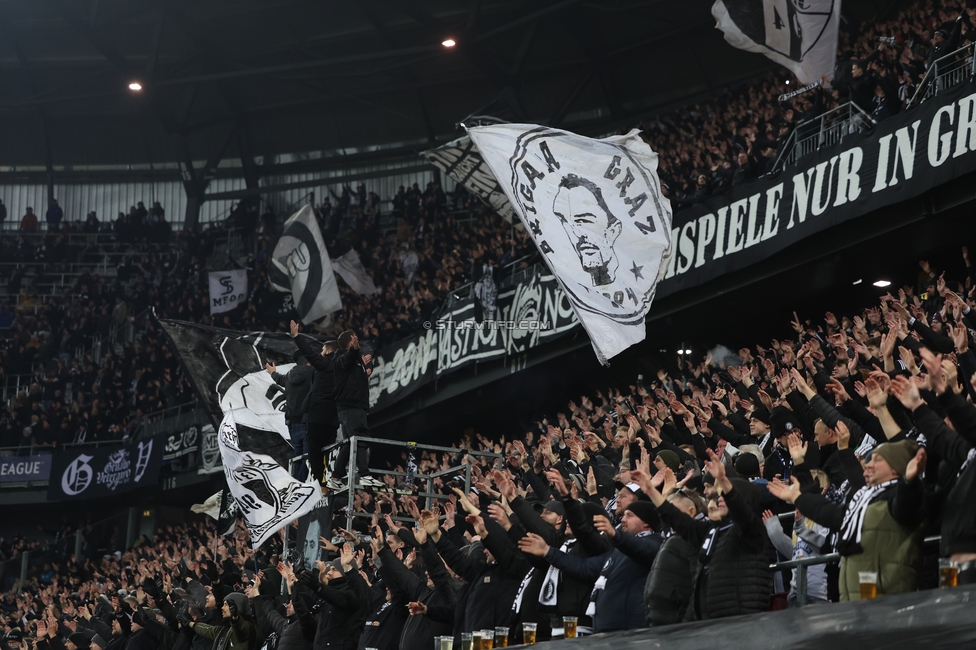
(935, 81)
(803, 563)
(831, 128)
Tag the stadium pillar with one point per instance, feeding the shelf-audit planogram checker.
(23, 568)
(78, 546)
(130, 529)
(191, 218)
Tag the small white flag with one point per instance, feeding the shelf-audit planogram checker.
(228, 289)
(350, 268)
(595, 210)
(300, 265)
(800, 35)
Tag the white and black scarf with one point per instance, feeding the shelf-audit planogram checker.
(850, 529)
(548, 594)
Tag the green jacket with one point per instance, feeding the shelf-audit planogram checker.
(891, 538)
(241, 635)
(890, 550)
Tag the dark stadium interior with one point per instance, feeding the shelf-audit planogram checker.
(189, 189)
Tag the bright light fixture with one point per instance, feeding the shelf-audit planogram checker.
(881, 284)
(787, 82)
(448, 42)
(136, 86)
(857, 281)
(684, 351)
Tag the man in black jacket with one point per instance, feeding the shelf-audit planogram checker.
(297, 384)
(735, 551)
(670, 584)
(341, 612)
(320, 416)
(352, 402)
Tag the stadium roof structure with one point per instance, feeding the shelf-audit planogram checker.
(372, 78)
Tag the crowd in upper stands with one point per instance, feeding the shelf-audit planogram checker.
(67, 395)
(643, 505)
(711, 147)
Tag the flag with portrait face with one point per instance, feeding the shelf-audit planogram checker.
(595, 210)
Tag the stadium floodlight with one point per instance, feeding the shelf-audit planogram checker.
(881, 284)
(135, 86)
(448, 42)
(856, 282)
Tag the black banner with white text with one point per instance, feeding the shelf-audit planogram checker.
(899, 159)
(534, 312)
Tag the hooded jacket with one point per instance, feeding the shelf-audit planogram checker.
(351, 380)
(320, 406)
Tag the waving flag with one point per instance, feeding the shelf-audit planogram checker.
(800, 35)
(594, 208)
(227, 369)
(300, 265)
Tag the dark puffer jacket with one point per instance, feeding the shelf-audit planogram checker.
(670, 585)
(734, 577)
(320, 407)
(292, 635)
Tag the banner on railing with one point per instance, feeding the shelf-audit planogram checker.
(899, 159)
(86, 472)
(19, 469)
(534, 312)
(182, 443)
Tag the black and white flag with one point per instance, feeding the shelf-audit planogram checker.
(228, 289)
(350, 268)
(800, 35)
(300, 265)
(594, 208)
(227, 369)
(461, 160)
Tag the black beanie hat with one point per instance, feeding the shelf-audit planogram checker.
(647, 513)
(782, 422)
(747, 465)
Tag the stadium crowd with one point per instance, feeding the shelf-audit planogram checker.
(708, 148)
(637, 506)
(69, 396)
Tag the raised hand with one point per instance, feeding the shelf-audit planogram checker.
(916, 465)
(533, 545)
(293, 328)
(788, 493)
(557, 481)
(798, 448)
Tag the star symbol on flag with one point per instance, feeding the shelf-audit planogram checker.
(636, 270)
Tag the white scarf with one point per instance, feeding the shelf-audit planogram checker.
(550, 584)
(850, 529)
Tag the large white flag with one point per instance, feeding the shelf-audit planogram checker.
(227, 290)
(800, 35)
(594, 208)
(350, 268)
(300, 264)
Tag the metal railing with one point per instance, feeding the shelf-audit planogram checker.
(946, 72)
(428, 495)
(822, 132)
(803, 564)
